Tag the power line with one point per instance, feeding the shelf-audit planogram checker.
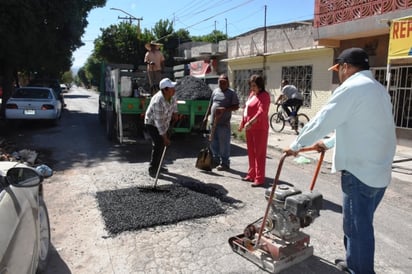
(220, 13)
(213, 5)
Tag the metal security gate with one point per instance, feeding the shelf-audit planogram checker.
(400, 90)
(241, 82)
(301, 77)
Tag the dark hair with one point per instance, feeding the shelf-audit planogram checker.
(224, 76)
(258, 80)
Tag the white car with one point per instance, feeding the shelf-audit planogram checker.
(33, 103)
(64, 88)
(24, 220)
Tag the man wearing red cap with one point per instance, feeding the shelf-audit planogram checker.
(360, 113)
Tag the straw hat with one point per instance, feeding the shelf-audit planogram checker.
(153, 43)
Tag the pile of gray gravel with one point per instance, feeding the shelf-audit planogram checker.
(192, 88)
(136, 208)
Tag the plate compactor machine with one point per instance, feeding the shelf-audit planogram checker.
(275, 241)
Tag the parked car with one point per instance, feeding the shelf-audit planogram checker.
(24, 220)
(33, 103)
(64, 88)
(49, 83)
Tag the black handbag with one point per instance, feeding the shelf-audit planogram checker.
(204, 159)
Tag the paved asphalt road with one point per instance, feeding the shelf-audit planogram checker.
(85, 163)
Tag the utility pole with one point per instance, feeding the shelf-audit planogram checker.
(226, 28)
(130, 18)
(265, 46)
(265, 34)
(215, 33)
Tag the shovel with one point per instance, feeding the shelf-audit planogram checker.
(160, 166)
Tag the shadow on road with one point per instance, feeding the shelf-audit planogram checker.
(56, 263)
(81, 138)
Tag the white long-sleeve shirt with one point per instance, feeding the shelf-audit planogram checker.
(159, 112)
(360, 113)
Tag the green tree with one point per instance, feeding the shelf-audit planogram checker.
(67, 77)
(117, 44)
(183, 36)
(39, 36)
(120, 44)
(164, 34)
(213, 37)
(93, 69)
(81, 74)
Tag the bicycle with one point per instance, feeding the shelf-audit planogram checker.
(278, 119)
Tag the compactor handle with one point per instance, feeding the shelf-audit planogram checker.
(276, 180)
(315, 175)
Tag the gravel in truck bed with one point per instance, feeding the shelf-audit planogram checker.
(192, 88)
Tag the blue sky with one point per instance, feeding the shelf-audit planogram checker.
(199, 17)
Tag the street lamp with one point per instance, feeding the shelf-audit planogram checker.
(131, 17)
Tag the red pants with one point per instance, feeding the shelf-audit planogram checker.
(257, 142)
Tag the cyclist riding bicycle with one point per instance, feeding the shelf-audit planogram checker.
(290, 96)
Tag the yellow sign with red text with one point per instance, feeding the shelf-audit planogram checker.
(400, 39)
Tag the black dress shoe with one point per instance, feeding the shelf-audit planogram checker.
(247, 179)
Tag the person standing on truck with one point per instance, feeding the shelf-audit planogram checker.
(290, 96)
(363, 151)
(222, 102)
(155, 64)
(162, 108)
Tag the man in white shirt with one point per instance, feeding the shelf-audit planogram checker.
(360, 113)
(161, 109)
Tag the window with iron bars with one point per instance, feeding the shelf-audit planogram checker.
(400, 90)
(301, 78)
(241, 82)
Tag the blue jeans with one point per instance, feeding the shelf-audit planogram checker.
(220, 145)
(359, 204)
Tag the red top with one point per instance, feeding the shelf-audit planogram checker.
(257, 106)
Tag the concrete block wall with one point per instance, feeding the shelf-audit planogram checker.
(280, 38)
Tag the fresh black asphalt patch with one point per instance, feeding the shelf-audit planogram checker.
(135, 208)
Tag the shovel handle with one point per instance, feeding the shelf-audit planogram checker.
(160, 166)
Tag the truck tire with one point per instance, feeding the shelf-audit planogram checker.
(110, 124)
(101, 114)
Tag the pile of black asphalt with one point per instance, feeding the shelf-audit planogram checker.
(131, 209)
(192, 88)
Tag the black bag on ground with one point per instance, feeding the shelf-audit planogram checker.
(204, 159)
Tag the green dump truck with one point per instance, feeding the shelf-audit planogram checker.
(123, 101)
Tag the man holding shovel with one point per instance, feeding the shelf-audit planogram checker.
(162, 108)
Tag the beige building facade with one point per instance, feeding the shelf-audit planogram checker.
(303, 51)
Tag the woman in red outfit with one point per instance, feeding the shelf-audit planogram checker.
(256, 123)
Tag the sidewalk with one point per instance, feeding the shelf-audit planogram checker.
(401, 168)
